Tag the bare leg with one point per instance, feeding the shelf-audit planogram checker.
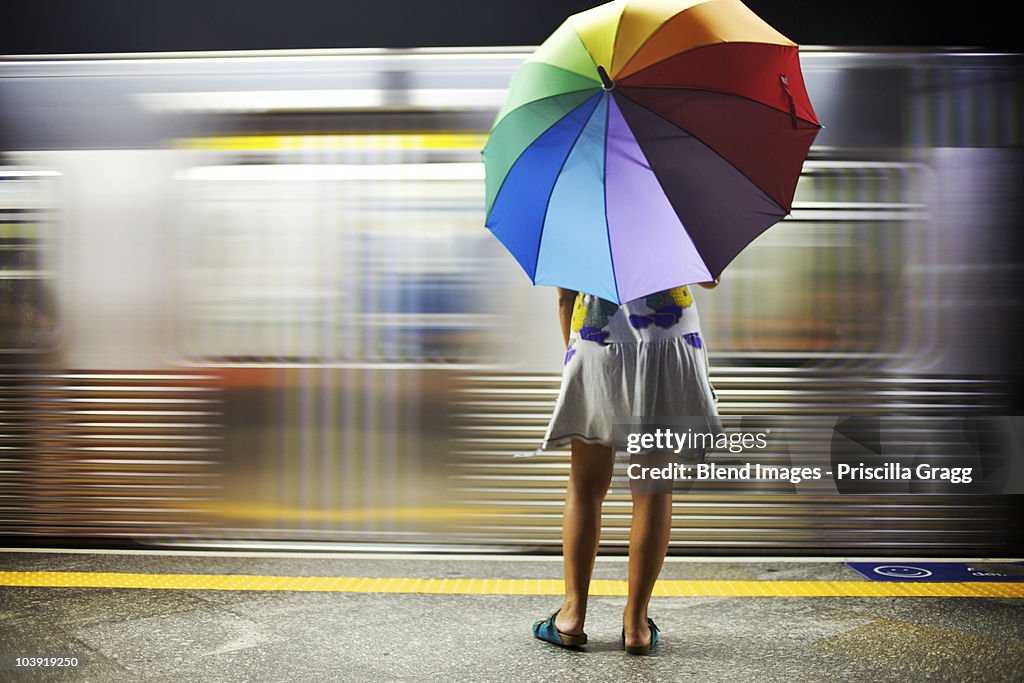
(590, 474)
(648, 543)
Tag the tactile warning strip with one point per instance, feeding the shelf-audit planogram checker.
(342, 584)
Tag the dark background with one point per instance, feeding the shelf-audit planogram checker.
(35, 27)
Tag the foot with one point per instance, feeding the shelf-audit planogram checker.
(545, 629)
(637, 634)
(569, 621)
(641, 638)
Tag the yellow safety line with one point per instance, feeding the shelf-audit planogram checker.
(344, 584)
(353, 141)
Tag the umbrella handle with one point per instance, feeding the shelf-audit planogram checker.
(606, 82)
(792, 105)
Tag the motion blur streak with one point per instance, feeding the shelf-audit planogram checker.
(249, 300)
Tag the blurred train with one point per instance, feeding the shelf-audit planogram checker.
(247, 300)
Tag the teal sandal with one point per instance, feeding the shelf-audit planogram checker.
(545, 630)
(642, 649)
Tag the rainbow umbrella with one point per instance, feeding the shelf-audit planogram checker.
(645, 144)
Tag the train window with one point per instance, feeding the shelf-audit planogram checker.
(828, 279)
(28, 311)
(333, 263)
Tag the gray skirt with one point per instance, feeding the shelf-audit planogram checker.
(606, 386)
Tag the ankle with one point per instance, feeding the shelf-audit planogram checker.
(571, 616)
(574, 606)
(636, 632)
(634, 618)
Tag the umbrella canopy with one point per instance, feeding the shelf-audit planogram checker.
(645, 144)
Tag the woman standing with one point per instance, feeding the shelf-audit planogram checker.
(638, 359)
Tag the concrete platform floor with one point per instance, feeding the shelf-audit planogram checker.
(144, 634)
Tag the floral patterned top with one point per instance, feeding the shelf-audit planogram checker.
(669, 314)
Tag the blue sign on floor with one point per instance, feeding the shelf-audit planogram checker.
(938, 571)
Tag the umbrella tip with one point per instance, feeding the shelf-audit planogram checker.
(606, 82)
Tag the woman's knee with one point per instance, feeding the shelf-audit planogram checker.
(589, 489)
(590, 472)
